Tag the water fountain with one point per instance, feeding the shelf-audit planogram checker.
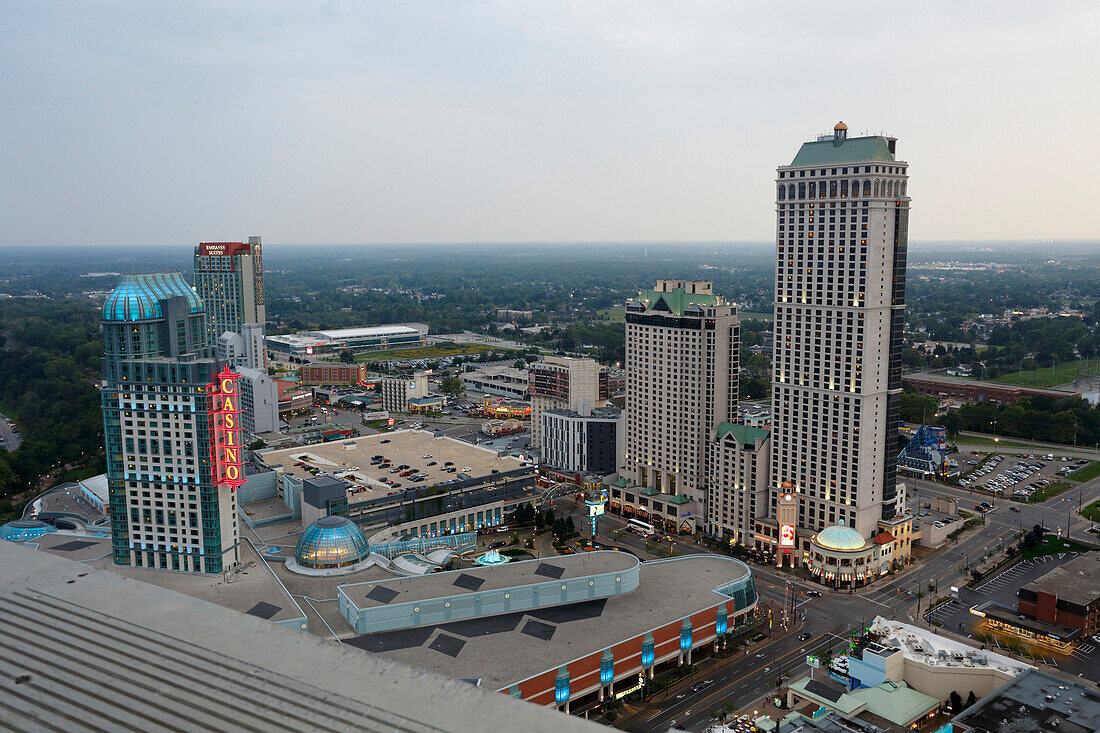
(492, 557)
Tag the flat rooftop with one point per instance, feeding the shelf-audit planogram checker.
(89, 649)
(1077, 581)
(350, 459)
(253, 591)
(509, 575)
(349, 333)
(1035, 701)
(506, 649)
(923, 645)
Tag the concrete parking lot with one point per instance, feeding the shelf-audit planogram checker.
(417, 449)
(1012, 476)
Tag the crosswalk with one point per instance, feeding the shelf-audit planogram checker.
(1084, 651)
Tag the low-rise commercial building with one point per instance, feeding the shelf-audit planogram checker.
(590, 441)
(409, 394)
(293, 398)
(1033, 701)
(505, 381)
(355, 340)
(1057, 610)
(944, 387)
(332, 373)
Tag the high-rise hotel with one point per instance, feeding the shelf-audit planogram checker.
(682, 359)
(172, 430)
(229, 277)
(841, 232)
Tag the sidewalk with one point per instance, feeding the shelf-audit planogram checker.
(709, 666)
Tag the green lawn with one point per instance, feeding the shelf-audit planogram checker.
(1092, 511)
(1051, 545)
(1086, 472)
(750, 316)
(1048, 377)
(1054, 488)
(430, 352)
(615, 315)
(1002, 443)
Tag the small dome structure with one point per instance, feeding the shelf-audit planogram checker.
(840, 126)
(24, 530)
(138, 297)
(840, 537)
(331, 542)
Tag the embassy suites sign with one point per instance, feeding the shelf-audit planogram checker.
(225, 412)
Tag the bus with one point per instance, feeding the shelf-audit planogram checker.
(637, 525)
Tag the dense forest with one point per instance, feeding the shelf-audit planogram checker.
(49, 362)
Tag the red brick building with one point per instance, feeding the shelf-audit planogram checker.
(943, 387)
(1067, 596)
(332, 373)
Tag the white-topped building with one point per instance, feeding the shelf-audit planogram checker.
(842, 220)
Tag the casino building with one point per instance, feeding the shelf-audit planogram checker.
(172, 430)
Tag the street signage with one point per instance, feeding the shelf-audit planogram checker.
(812, 661)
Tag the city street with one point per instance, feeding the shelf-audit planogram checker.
(746, 679)
(11, 441)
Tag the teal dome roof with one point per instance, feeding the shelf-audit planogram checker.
(22, 530)
(331, 542)
(839, 537)
(137, 297)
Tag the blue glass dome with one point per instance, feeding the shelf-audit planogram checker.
(23, 530)
(138, 297)
(839, 537)
(331, 542)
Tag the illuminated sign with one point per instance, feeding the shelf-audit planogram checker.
(812, 661)
(227, 429)
(596, 509)
(220, 249)
(786, 535)
(390, 422)
(627, 691)
(412, 384)
(309, 349)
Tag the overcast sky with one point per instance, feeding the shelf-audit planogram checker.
(168, 123)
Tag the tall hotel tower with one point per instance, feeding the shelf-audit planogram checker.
(229, 277)
(682, 345)
(841, 233)
(171, 429)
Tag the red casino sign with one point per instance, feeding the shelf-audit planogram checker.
(226, 412)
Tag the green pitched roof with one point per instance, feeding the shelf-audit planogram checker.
(676, 300)
(897, 702)
(851, 150)
(743, 434)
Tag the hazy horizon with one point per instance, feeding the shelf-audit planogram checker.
(144, 124)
